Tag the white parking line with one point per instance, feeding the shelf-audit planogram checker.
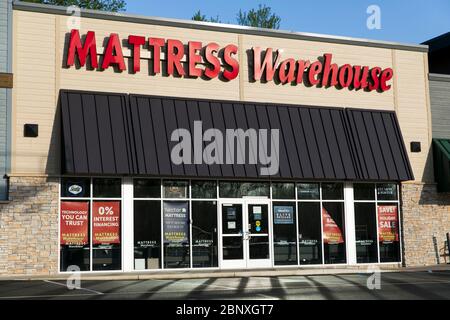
(63, 285)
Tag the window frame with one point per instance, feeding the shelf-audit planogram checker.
(376, 201)
(127, 195)
(91, 200)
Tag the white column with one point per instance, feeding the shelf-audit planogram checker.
(350, 237)
(127, 225)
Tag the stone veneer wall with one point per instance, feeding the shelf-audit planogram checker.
(29, 227)
(426, 220)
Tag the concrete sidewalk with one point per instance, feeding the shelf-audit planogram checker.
(196, 274)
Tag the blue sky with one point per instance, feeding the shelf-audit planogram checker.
(411, 21)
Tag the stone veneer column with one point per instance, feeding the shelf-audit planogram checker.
(426, 220)
(29, 227)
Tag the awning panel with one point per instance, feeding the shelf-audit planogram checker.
(441, 156)
(96, 139)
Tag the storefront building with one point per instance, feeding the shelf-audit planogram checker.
(439, 80)
(152, 144)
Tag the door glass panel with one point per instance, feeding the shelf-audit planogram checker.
(284, 233)
(233, 248)
(259, 247)
(309, 233)
(258, 218)
(231, 218)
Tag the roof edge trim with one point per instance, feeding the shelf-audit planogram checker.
(219, 27)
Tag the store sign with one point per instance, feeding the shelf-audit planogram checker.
(283, 215)
(332, 234)
(388, 223)
(176, 221)
(74, 223)
(106, 222)
(75, 189)
(211, 61)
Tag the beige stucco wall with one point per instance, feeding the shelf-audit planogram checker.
(39, 74)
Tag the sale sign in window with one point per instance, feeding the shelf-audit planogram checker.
(387, 223)
(74, 223)
(106, 222)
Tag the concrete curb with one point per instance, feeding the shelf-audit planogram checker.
(211, 274)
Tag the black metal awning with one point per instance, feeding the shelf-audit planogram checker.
(441, 157)
(119, 134)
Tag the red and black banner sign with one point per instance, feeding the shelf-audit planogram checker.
(74, 223)
(332, 234)
(387, 223)
(106, 222)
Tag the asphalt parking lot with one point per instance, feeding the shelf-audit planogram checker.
(393, 285)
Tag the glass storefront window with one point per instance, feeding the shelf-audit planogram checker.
(106, 235)
(176, 234)
(332, 191)
(183, 217)
(366, 233)
(232, 244)
(176, 189)
(283, 190)
(308, 191)
(284, 233)
(147, 234)
(76, 187)
(203, 189)
(309, 233)
(231, 189)
(107, 187)
(74, 235)
(333, 232)
(91, 228)
(204, 234)
(147, 188)
(258, 227)
(386, 191)
(388, 232)
(364, 191)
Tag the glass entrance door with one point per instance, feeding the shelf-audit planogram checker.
(246, 234)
